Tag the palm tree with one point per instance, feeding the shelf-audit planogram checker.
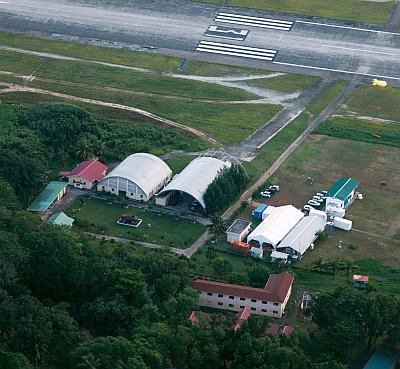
(217, 226)
(89, 362)
(349, 266)
(319, 264)
(335, 265)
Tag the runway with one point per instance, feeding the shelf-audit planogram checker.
(204, 32)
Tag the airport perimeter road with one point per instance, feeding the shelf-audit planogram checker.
(236, 36)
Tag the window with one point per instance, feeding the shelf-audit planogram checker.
(253, 309)
(131, 193)
(103, 188)
(231, 297)
(220, 296)
(242, 307)
(264, 302)
(276, 304)
(231, 305)
(141, 196)
(112, 190)
(242, 299)
(220, 304)
(264, 310)
(209, 293)
(252, 300)
(275, 312)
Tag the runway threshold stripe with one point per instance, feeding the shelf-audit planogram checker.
(225, 52)
(252, 24)
(254, 21)
(255, 18)
(236, 50)
(236, 46)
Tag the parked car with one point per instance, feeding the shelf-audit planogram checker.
(325, 192)
(314, 203)
(320, 194)
(318, 199)
(266, 194)
(275, 187)
(272, 190)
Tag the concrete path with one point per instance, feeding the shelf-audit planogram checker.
(248, 149)
(394, 21)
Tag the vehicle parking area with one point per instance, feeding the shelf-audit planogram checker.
(376, 218)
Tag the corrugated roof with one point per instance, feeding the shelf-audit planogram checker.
(342, 188)
(238, 226)
(91, 169)
(303, 234)
(276, 226)
(275, 290)
(47, 196)
(61, 219)
(196, 177)
(145, 170)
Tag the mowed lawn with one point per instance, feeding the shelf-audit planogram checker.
(285, 82)
(165, 229)
(326, 159)
(353, 10)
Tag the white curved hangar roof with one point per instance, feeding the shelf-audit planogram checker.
(276, 225)
(146, 170)
(196, 177)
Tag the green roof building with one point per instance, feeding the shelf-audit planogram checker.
(343, 190)
(61, 219)
(52, 193)
(382, 359)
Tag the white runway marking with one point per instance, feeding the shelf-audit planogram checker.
(254, 21)
(4, 2)
(236, 50)
(361, 50)
(346, 27)
(335, 70)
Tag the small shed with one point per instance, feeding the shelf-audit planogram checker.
(52, 193)
(360, 281)
(258, 211)
(61, 219)
(343, 191)
(276, 255)
(383, 358)
(239, 229)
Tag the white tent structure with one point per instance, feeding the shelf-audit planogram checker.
(301, 237)
(273, 229)
(139, 177)
(195, 178)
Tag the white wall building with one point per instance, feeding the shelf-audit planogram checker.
(238, 230)
(273, 229)
(140, 176)
(268, 301)
(302, 236)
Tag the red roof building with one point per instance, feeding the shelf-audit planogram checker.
(270, 300)
(360, 281)
(193, 318)
(86, 174)
(275, 329)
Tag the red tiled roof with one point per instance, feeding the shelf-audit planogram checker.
(287, 330)
(242, 317)
(273, 328)
(360, 278)
(279, 284)
(90, 170)
(275, 290)
(193, 318)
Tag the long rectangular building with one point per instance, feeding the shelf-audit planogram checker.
(268, 301)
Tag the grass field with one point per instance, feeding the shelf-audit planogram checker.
(126, 57)
(326, 159)
(374, 102)
(165, 229)
(276, 146)
(353, 10)
(285, 83)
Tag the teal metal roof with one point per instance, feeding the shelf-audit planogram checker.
(381, 359)
(343, 188)
(47, 196)
(61, 219)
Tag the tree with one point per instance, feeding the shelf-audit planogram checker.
(334, 265)
(349, 266)
(258, 275)
(319, 264)
(222, 266)
(239, 278)
(217, 226)
(14, 360)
